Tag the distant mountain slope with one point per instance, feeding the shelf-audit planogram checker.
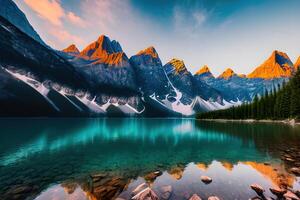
(10, 11)
(239, 88)
(228, 73)
(284, 104)
(278, 65)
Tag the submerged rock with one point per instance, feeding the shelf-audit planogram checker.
(146, 194)
(166, 191)
(139, 188)
(104, 186)
(206, 179)
(258, 189)
(279, 192)
(295, 170)
(213, 198)
(290, 195)
(195, 197)
(152, 176)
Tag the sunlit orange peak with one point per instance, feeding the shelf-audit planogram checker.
(71, 49)
(178, 65)
(203, 70)
(276, 66)
(228, 73)
(149, 51)
(297, 64)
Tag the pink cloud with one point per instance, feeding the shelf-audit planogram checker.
(76, 20)
(49, 10)
(64, 36)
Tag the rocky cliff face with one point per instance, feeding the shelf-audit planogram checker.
(105, 66)
(150, 75)
(278, 65)
(181, 79)
(10, 11)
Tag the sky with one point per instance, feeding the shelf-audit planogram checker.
(239, 34)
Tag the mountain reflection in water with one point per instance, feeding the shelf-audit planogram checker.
(49, 155)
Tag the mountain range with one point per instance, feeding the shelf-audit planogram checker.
(102, 80)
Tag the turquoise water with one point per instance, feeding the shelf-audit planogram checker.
(41, 156)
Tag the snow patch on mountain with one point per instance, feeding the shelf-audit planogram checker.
(36, 85)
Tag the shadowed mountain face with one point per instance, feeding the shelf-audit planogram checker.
(20, 52)
(182, 79)
(150, 74)
(10, 11)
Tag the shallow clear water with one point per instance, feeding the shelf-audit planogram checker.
(59, 158)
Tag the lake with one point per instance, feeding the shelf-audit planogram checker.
(76, 159)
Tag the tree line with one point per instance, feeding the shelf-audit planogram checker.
(279, 103)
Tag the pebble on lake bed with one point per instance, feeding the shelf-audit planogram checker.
(295, 170)
(152, 176)
(166, 191)
(206, 179)
(213, 198)
(257, 188)
(195, 197)
(279, 192)
(147, 193)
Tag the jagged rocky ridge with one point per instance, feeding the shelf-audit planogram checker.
(102, 80)
(10, 11)
(234, 87)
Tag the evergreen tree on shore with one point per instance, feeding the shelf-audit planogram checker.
(280, 103)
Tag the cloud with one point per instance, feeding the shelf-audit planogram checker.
(49, 10)
(63, 36)
(189, 20)
(53, 12)
(74, 19)
(106, 14)
(55, 18)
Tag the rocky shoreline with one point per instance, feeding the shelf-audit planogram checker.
(291, 122)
